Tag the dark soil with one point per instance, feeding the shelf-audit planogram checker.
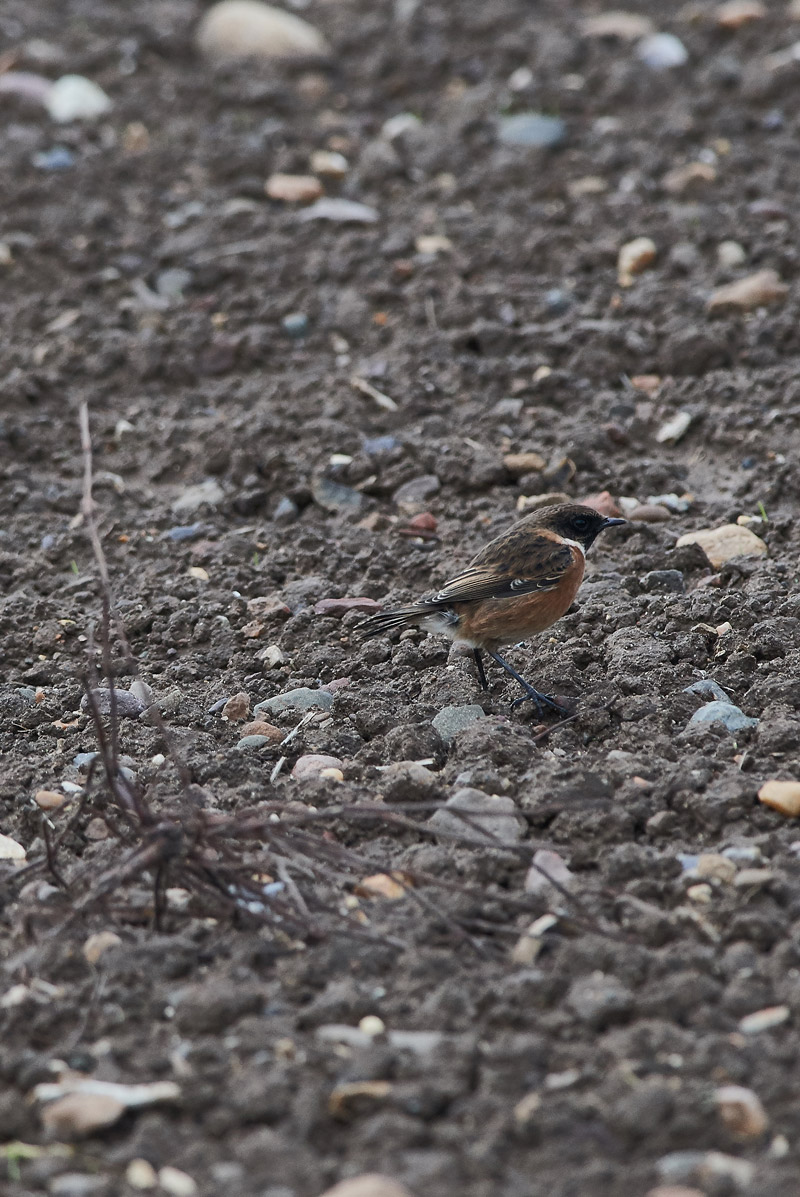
(627, 1021)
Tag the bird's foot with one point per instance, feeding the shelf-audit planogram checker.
(541, 701)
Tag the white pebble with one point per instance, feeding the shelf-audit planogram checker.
(74, 98)
(661, 51)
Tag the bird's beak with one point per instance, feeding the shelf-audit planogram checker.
(612, 523)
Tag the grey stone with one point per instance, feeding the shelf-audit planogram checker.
(452, 720)
(302, 699)
(731, 717)
(707, 688)
(668, 581)
(532, 129)
(193, 497)
(600, 1000)
(78, 1184)
(83, 760)
(335, 497)
(418, 490)
(487, 818)
(127, 705)
(254, 742)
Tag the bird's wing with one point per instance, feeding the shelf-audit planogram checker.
(542, 567)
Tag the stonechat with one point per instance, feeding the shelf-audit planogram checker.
(518, 585)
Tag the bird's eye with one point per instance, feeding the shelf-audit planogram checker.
(580, 523)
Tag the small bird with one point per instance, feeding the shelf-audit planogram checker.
(519, 584)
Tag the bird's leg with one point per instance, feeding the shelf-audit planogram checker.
(535, 696)
(476, 652)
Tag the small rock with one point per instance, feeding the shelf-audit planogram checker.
(433, 243)
(699, 893)
(682, 178)
(342, 211)
(600, 1000)
(80, 1114)
(78, 1184)
(184, 532)
(663, 581)
(547, 499)
(452, 720)
(587, 185)
(532, 129)
(49, 799)
(662, 51)
(782, 796)
(208, 493)
(287, 510)
(381, 885)
(736, 13)
(56, 158)
(335, 497)
(754, 291)
(172, 283)
(741, 1111)
(675, 428)
(237, 707)
(407, 781)
(313, 764)
(634, 257)
(242, 29)
(301, 699)
(254, 741)
(604, 503)
(550, 863)
(518, 464)
(74, 98)
(98, 943)
(293, 189)
(259, 728)
(337, 607)
(329, 164)
(730, 254)
(627, 26)
(683, 1165)
(763, 1020)
(730, 716)
(724, 543)
(679, 504)
(349, 1099)
(295, 325)
(140, 1174)
(647, 513)
(268, 606)
(487, 817)
(369, 1184)
(412, 496)
(271, 657)
(716, 867)
(10, 849)
(754, 878)
(674, 1191)
(176, 1183)
(707, 688)
(127, 705)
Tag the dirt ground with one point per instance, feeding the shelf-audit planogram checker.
(585, 1061)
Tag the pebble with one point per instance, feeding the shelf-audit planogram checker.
(546, 499)
(293, 189)
(707, 688)
(754, 878)
(648, 513)
(488, 817)
(764, 1020)
(10, 849)
(532, 129)
(241, 29)
(679, 504)
(369, 1184)
(335, 497)
(26, 84)
(287, 511)
(183, 532)
(553, 865)
(716, 867)
(604, 503)
(754, 291)
(741, 1111)
(172, 283)
(730, 254)
(98, 943)
(140, 1174)
(78, 1184)
(259, 728)
(380, 885)
(699, 893)
(736, 13)
(675, 428)
(56, 158)
(634, 257)
(343, 211)
(683, 1165)
(254, 741)
(673, 1191)
(177, 1183)
(193, 497)
(433, 243)
(74, 98)
(49, 799)
(271, 656)
(407, 781)
(81, 1114)
(237, 707)
(682, 178)
(296, 325)
(662, 51)
(724, 543)
(128, 706)
(412, 496)
(340, 606)
(454, 719)
(586, 185)
(663, 581)
(782, 796)
(301, 699)
(524, 463)
(348, 1099)
(731, 717)
(329, 164)
(627, 26)
(313, 764)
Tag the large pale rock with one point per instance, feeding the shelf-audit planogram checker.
(237, 29)
(754, 291)
(723, 543)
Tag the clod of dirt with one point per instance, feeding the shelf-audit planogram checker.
(485, 817)
(371, 1184)
(741, 1111)
(242, 29)
(724, 543)
(782, 796)
(755, 291)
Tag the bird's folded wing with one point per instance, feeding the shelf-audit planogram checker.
(539, 571)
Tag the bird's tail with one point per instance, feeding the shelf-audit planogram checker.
(386, 621)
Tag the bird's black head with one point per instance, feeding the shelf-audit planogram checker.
(575, 522)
